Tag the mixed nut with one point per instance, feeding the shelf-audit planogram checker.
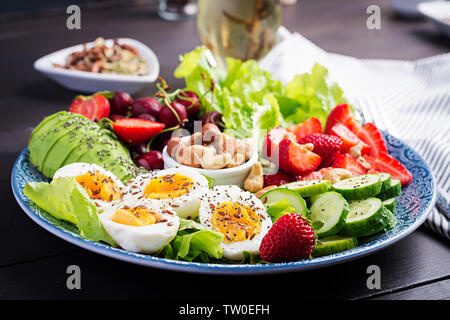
(119, 59)
(210, 149)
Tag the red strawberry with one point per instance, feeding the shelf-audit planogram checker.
(135, 131)
(278, 179)
(349, 162)
(291, 238)
(326, 146)
(114, 117)
(348, 138)
(386, 163)
(315, 175)
(342, 114)
(272, 140)
(93, 107)
(312, 125)
(296, 159)
(370, 134)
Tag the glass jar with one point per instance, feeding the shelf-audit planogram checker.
(243, 29)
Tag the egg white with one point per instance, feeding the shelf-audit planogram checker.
(232, 193)
(80, 168)
(142, 239)
(186, 206)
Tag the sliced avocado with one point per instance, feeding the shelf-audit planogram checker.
(112, 155)
(45, 120)
(45, 138)
(60, 150)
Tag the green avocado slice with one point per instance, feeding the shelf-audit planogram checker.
(45, 138)
(51, 117)
(61, 149)
(115, 157)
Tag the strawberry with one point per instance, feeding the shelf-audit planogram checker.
(326, 146)
(272, 140)
(348, 138)
(296, 159)
(315, 175)
(312, 125)
(342, 114)
(289, 239)
(277, 179)
(370, 134)
(135, 131)
(349, 162)
(386, 163)
(93, 107)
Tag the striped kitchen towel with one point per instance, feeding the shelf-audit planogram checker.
(409, 99)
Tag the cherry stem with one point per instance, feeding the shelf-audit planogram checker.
(147, 149)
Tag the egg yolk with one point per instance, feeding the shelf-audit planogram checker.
(236, 222)
(137, 216)
(99, 186)
(168, 186)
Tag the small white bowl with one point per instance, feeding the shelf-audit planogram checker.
(225, 176)
(436, 12)
(89, 82)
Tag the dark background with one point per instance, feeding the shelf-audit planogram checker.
(33, 262)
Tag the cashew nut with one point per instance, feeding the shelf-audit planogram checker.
(229, 144)
(237, 160)
(255, 179)
(246, 147)
(173, 144)
(264, 190)
(187, 156)
(356, 151)
(337, 174)
(217, 161)
(364, 162)
(196, 138)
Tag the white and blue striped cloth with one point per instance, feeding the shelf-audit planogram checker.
(410, 99)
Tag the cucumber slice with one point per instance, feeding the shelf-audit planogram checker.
(309, 188)
(385, 181)
(273, 196)
(328, 214)
(333, 244)
(365, 217)
(390, 204)
(359, 187)
(394, 191)
(390, 220)
(279, 209)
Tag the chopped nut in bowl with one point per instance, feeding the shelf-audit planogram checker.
(224, 159)
(115, 65)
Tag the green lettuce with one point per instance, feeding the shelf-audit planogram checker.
(315, 94)
(251, 100)
(193, 242)
(66, 200)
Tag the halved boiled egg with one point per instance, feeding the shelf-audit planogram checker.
(102, 186)
(140, 226)
(179, 188)
(239, 215)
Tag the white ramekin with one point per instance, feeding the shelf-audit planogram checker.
(225, 176)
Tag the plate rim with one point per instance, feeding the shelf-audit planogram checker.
(214, 268)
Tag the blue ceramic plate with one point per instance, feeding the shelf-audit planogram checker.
(412, 209)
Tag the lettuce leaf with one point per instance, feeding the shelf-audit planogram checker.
(65, 199)
(251, 100)
(315, 93)
(193, 242)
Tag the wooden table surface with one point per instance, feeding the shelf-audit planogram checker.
(33, 262)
